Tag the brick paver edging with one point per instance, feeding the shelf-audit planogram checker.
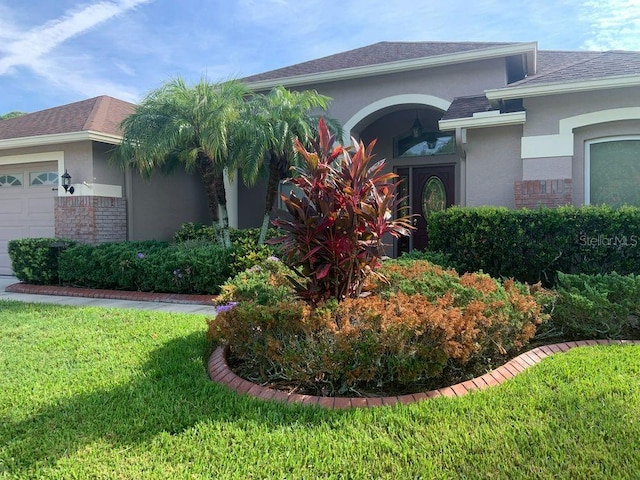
(110, 294)
(220, 372)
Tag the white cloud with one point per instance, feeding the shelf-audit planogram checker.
(30, 48)
(615, 24)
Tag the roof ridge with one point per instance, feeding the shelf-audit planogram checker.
(98, 112)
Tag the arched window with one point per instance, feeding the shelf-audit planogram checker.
(14, 180)
(44, 178)
(612, 171)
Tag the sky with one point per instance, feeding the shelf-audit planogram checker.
(54, 52)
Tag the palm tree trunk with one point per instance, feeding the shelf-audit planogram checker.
(272, 189)
(216, 195)
(223, 221)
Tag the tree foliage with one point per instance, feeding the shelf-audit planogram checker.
(190, 125)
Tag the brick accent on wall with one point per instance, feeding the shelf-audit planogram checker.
(543, 193)
(90, 219)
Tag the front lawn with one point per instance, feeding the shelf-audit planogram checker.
(96, 393)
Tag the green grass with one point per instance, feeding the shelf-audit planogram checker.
(96, 393)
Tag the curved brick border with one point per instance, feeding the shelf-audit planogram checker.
(220, 372)
(110, 294)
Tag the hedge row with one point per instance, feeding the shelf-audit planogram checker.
(195, 265)
(533, 245)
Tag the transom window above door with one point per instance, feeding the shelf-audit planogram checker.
(423, 145)
(612, 172)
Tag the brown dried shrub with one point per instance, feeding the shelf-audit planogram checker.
(404, 336)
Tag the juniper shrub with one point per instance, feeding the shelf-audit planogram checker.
(399, 338)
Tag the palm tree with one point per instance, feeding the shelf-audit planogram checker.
(13, 114)
(267, 137)
(190, 125)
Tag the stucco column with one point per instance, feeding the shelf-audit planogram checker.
(231, 187)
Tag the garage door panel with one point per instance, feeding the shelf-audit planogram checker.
(5, 262)
(11, 206)
(25, 211)
(40, 231)
(40, 205)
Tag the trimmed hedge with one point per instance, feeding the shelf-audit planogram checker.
(35, 260)
(148, 266)
(533, 245)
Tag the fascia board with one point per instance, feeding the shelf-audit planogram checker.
(498, 120)
(58, 138)
(510, 93)
(398, 66)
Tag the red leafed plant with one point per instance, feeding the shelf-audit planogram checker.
(334, 226)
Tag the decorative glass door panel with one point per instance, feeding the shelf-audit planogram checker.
(433, 189)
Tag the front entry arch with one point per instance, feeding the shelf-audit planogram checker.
(393, 101)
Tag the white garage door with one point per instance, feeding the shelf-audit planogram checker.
(26, 204)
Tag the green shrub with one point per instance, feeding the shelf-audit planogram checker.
(195, 231)
(442, 259)
(398, 338)
(199, 231)
(592, 307)
(264, 283)
(109, 265)
(190, 267)
(36, 260)
(532, 245)
(246, 253)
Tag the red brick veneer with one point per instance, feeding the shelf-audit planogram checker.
(220, 372)
(91, 219)
(533, 194)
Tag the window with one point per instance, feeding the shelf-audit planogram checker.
(14, 180)
(425, 144)
(612, 172)
(43, 178)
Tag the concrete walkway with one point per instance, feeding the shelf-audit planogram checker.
(91, 301)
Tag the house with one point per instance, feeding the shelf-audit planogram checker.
(107, 203)
(477, 123)
(465, 123)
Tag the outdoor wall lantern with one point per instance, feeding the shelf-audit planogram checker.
(66, 183)
(416, 128)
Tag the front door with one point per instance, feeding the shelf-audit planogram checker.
(432, 189)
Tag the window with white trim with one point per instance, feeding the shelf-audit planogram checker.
(612, 171)
(43, 178)
(13, 180)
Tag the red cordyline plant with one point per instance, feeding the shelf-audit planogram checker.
(334, 228)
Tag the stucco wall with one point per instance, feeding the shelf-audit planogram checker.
(103, 171)
(493, 164)
(251, 204)
(157, 207)
(447, 82)
(544, 113)
(77, 157)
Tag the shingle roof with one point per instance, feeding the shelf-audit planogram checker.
(376, 54)
(558, 67)
(100, 114)
(463, 107)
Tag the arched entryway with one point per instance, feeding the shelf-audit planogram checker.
(407, 136)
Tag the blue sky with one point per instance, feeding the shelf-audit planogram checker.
(61, 51)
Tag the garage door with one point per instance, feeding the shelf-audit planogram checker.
(26, 204)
